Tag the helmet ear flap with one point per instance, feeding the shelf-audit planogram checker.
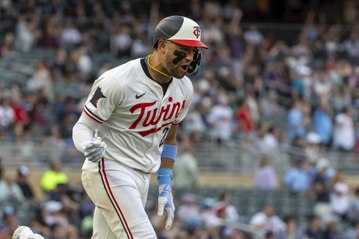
(196, 63)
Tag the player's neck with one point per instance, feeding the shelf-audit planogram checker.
(155, 70)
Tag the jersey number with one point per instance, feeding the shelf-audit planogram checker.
(164, 135)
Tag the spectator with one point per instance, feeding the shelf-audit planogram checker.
(27, 33)
(228, 213)
(211, 221)
(185, 168)
(7, 45)
(270, 109)
(10, 192)
(351, 46)
(341, 99)
(245, 123)
(220, 118)
(252, 36)
(188, 208)
(293, 229)
(323, 164)
(122, 41)
(194, 124)
(353, 231)
(344, 134)
(70, 35)
(354, 205)
(297, 178)
(266, 221)
(297, 120)
(270, 140)
(7, 113)
(332, 228)
(53, 177)
(321, 188)
(322, 87)
(265, 176)
(315, 229)
(322, 123)
(312, 148)
(225, 209)
(83, 63)
(57, 221)
(340, 198)
(41, 82)
(10, 219)
(23, 174)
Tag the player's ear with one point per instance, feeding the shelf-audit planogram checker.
(161, 45)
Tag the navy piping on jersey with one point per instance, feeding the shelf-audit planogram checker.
(145, 69)
(116, 206)
(92, 115)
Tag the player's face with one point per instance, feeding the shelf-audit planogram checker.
(178, 58)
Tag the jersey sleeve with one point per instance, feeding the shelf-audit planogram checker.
(187, 104)
(106, 94)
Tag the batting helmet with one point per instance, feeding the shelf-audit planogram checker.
(178, 29)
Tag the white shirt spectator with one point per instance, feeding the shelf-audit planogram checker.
(138, 48)
(269, 141)
(339, 199)
(70, 35)
(267, 221)
(123, 39)
(322, 87)
(220, 119)
(344, 134)
(24, 37)
(84, 62)
(253, 36)
(7, 114)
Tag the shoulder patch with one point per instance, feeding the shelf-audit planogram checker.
(97, 96)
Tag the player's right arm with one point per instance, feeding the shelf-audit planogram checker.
(83, 131)
(101, 102)
(84, 135)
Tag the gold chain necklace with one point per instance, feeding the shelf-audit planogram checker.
(156, 70)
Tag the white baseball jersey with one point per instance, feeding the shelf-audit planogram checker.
(135, 114)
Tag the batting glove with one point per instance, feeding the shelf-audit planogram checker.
(165, 198)
(196, 63)
(95, 151)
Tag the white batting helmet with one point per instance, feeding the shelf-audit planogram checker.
(178, 29)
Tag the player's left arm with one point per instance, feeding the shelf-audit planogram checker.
(171, 139)
(164, 176)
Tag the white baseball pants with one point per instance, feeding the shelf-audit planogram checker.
(120, 194)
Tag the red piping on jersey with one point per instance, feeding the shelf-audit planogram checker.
(89, 115)
(112, 198)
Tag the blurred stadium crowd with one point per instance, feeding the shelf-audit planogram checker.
(254, 89)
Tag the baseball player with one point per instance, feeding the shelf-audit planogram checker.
(128, 129)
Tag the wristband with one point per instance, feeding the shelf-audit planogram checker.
(169, 151)
(164, 176)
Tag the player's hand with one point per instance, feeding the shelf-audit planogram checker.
(95, 151)
(165, 201)
(196, 63)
